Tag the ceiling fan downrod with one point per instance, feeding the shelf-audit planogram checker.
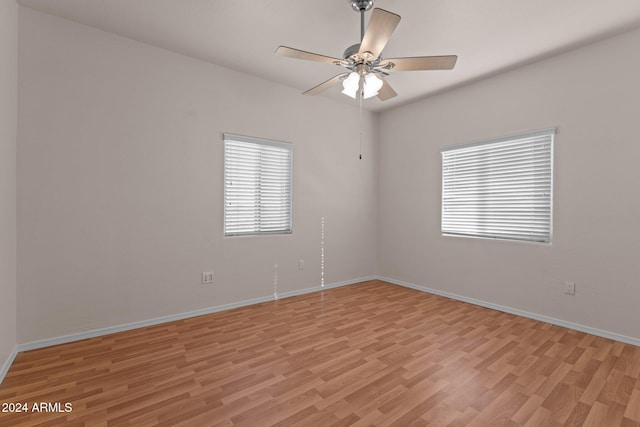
(361, 6)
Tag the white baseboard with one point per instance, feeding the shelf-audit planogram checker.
(159, 320)
(7, 363)
(534, 316)
(47, 342)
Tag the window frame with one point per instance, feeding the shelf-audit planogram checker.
(266, 145)
(540, 137)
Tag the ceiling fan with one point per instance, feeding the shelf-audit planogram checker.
(365, 66)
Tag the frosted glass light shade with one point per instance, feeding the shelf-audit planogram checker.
(372, 85)
(351, 84)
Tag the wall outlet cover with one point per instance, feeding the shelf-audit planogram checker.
(569, 288)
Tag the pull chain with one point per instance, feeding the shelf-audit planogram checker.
(360, 156)
(361, 88)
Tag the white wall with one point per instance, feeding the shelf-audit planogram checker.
(591, 95)
(8, 139)
(120, 183)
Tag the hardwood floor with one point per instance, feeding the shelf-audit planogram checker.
(371, 354)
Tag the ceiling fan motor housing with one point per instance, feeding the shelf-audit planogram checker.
(361, 5)
(351, 52)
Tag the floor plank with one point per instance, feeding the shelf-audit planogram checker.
(362, 355)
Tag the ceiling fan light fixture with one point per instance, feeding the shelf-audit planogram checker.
(372, 84)
(363, 61)
(351, 84)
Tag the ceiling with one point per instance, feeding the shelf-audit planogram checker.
(489, 36)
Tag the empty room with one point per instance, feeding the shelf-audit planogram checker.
(337, 213)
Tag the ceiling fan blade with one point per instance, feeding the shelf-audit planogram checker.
(378, 33)
(308, 56)
(386, 91)
(421, 63)
(325, 85)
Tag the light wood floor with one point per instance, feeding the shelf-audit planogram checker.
(362, 355)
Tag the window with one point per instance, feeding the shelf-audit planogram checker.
(499, 189)
(257, 186)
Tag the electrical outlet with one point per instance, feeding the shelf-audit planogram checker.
(207, 277)
(301, 264)
(569, 288)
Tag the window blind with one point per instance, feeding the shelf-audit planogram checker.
(257, 186)
(499, 189)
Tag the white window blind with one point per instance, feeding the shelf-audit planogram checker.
(499, 189)
(257, 186)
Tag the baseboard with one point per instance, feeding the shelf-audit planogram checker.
(48, 342)
(534, 316)
(33, 345)
(7, 363)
